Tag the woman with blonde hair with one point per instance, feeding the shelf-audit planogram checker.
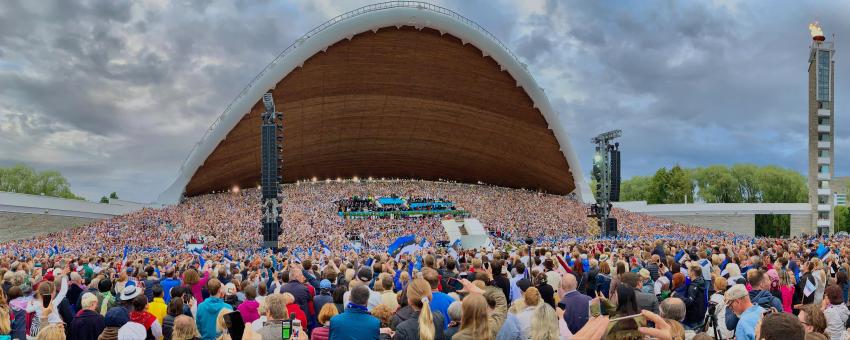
(328, 311)
(52, 332)
(531, 300)
(185, 329)
(548, 325)
(423, 324)
(474, 323)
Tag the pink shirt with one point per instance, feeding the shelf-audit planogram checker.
(787, 296)
(249, 310)
(198, 287)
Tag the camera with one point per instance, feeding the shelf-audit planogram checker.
(529, 241)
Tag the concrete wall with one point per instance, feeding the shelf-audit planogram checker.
(15, 226)
(23, 215)
(741, 224)
(731, 217)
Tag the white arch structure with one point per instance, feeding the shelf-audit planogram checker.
(345, 26)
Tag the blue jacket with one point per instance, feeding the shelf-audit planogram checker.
(167, 284)
(761, 298)
(575, 310)
(511, 329)
(207, 313)
(440, 303)
(355, 324)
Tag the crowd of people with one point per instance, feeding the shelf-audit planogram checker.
(132, 277)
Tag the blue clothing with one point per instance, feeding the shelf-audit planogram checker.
(167, 284)
(440, 302)
(207, 314)
(746, 329)
(575, 310)
(761, 298)
(511, 329)
(355, 324)
(516, 293)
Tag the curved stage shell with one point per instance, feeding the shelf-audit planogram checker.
(395, 90)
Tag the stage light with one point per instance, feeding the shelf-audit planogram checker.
(370, 178)
(355, 179)
(315, 179)
(235, 188)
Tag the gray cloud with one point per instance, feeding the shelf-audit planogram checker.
(115, 93)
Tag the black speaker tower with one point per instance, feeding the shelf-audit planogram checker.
(615, 173)
(270, 174)
(606, 173)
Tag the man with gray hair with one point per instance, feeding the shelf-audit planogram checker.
(673, 308)
(574, 303)
(88, 323)
(275, 315)
(455, 314)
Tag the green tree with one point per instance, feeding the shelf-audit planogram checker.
(680, 187)
(104, 199)
(658, 187)
(635, 188)
(23, 179)
(841, 216)
(748, 184)
(778, 185)
(717, 185)
(113, 195)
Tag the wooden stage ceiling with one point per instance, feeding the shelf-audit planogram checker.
(397, 103)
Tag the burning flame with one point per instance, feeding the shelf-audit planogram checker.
(814, 28)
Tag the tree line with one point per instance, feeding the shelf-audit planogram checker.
(25, 180)
(741, 183)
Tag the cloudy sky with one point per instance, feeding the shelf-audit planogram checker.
(114, 93)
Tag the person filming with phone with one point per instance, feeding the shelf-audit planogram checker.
(278, 321)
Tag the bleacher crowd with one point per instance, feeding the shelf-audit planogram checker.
(131, 277)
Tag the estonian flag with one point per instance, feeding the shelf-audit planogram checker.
(810, 287)
(325, 248)
(402, 245)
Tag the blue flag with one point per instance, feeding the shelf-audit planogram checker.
(401, 243)
(822, 250)
(679, 255)
(325, 249)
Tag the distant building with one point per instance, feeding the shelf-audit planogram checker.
(839, 190)
(821, 129)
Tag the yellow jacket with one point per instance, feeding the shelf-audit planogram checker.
(158, 308)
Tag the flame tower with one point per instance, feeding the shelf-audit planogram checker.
(821, 129)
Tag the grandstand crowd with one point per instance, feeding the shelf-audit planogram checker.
(133, 277)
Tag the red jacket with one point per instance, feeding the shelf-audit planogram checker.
(299, 314)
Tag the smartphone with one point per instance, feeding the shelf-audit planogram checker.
(45, 300)
(235, 325)
(296, 328)
(286, 329)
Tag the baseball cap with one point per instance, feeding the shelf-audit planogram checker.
(364, 274)
(325, 284)
(735, 292)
